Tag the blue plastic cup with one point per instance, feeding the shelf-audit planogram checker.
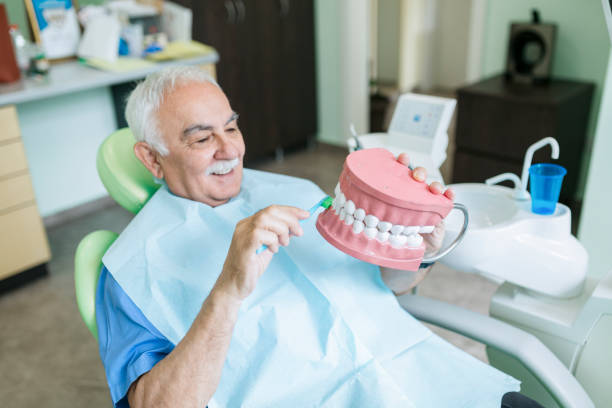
(546, 180)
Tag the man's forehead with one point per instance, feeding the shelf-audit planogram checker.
(197, 100)
(196, 92)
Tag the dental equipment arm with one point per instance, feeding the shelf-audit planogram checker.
(526, 348)
(519, 193)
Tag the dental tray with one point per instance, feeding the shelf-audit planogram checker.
(379, 211)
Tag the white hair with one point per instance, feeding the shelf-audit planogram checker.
(145, 100)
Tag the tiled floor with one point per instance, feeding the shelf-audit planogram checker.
(49, 359)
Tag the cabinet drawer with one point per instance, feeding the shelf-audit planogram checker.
(15, 190)
(23, 241)
(9, 125)
(12, 158)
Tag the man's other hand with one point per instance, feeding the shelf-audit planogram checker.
(433, 241)
(273, 226)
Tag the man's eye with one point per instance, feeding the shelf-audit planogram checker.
(230, 130)
(202, 140)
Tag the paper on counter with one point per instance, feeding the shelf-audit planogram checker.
(181, 49)
(121, 64)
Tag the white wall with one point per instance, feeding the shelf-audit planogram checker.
(388, 40)
(61, 136)
(596, 220)
(329, 67)
(416, 42)
(429, 43)
(342, 38)
(451, 42)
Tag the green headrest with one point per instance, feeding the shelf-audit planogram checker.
(126, 179)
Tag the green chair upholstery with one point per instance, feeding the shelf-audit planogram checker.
(126, 179)
(131, 185)
(87, 265)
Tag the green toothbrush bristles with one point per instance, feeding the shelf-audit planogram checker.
(327, 202)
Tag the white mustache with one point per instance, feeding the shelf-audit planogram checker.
(222, 167)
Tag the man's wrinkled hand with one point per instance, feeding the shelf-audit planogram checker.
(273, 226)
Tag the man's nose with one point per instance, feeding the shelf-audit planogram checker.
(226, 149)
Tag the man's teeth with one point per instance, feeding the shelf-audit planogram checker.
(222, 171)
(398, 236)
(222, 167)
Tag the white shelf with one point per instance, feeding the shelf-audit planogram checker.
(73, 76)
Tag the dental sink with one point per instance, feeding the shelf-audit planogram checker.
(488, 205)
(505, 241)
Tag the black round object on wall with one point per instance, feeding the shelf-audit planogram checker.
(530, 50)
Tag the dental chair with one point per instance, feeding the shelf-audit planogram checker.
(131, 185)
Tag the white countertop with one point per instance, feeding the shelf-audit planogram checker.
(73, 76)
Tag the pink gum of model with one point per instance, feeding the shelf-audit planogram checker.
(375, 181)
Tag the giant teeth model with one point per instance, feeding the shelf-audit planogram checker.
(379, 211)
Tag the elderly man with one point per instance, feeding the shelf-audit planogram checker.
(189, 313)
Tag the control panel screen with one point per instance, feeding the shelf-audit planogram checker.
(417, 118)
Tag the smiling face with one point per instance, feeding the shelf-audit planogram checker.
(205, 146)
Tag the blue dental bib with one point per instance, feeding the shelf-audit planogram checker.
(320, 329)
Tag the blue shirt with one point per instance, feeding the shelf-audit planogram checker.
(129, 344)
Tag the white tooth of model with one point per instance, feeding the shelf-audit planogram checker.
(384, 226)
(359, 214)
(358, 227)
(398, 240)
(342, 214)
(382, 236)
(428, 229)
(338, 207)
(348, 220)
(413, 240)
(410, 230)
(337, 190)
(341, 199)
(370, 232)
(371, 221)
(349, 207)
(397, 229)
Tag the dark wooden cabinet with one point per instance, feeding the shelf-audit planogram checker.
(498, 120)
(266, 67)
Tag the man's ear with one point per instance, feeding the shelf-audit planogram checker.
(150, 159)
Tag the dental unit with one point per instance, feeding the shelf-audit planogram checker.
(546, 289)
(546, 292)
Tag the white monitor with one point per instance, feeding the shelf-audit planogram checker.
(421, 115)
(418, 127)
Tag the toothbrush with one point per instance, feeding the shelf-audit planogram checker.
(325, 202)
